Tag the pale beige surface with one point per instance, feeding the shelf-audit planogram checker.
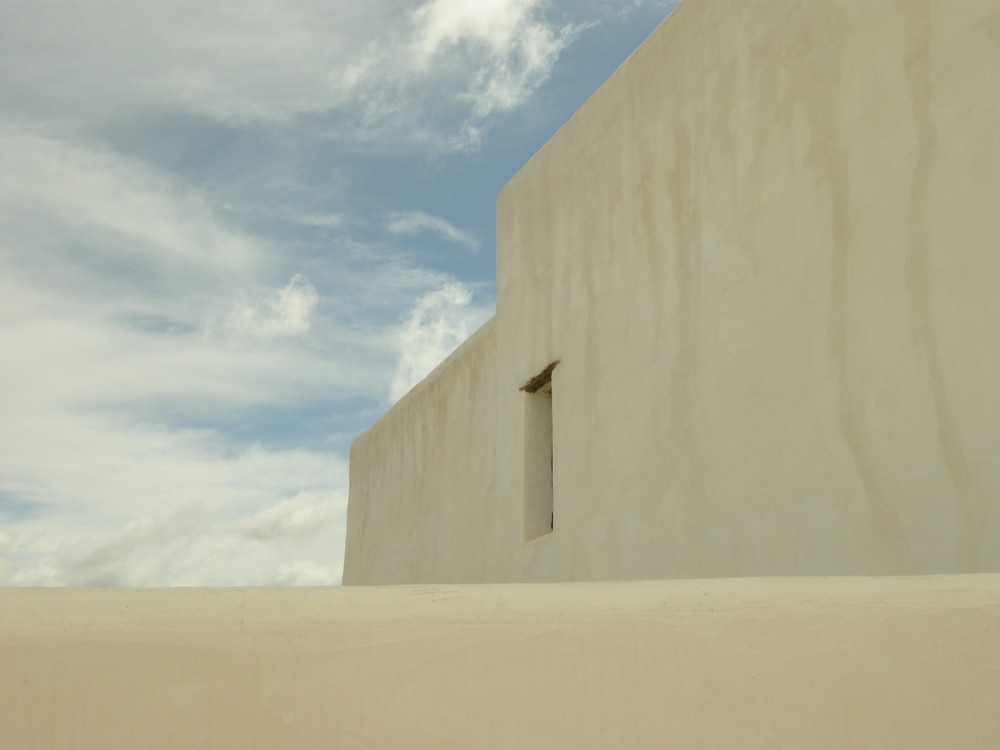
(780, 663)
(435, 459)
(766, 254)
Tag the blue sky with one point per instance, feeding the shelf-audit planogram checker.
(231, 235)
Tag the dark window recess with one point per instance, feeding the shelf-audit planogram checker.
(539, 513)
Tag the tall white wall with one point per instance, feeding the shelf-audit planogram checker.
(765, 254)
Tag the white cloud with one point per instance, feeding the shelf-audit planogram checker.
(449, 22)
(130, 504)
(456, 62)
(266, 60)
(416, 222)
(110, 272)
(301, 515)
(307, 573)
(511, 47)
(87, 194)
(286, 312)
(398, 71)
(109, 490)
(437, 324)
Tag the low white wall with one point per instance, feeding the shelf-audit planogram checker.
(756, 663)
(423, 481)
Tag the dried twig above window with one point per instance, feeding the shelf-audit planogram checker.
(540, 380)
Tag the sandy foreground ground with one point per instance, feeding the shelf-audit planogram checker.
(910, 662)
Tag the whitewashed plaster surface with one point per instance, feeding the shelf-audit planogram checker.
(753, 663)
(766, 254)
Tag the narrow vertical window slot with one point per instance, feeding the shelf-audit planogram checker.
(539, 515)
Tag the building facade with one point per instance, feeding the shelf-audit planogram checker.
(763, 260)
(746, 326)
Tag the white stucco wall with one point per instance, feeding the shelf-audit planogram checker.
(769, 663)
(765, 254)
(423, 483)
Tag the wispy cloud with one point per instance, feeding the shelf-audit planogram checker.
(430, 74)
(453, 63)
(417, 222)
(286, 312)
(186, 546)
(116, 467)
(438, 322)
(122, 501)
(511, 46)
(269, 60)
(84, 194)
(299, 516)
